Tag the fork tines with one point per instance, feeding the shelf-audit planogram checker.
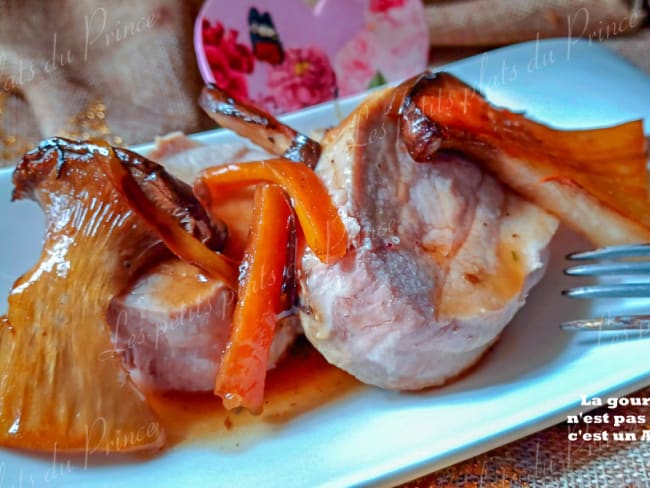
(622, 290)
(619, 323)
(613, 252)
(611, 290)
(629, 268)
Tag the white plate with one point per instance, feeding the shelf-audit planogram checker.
(533, 378)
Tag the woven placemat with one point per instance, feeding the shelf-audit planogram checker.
(549, 459)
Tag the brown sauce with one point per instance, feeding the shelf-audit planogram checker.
(303, 381)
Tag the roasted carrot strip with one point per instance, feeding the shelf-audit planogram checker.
(180, 242)
(324, 231)
(241, 376)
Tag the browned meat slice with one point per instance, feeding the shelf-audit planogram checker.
(170, 144)
(185, 158)
(442, 256)
(172, 325)
(173, 322)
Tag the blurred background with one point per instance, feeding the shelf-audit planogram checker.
(127, 71)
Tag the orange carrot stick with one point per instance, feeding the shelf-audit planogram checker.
(324, 231)
(180, 242)
(241, 376)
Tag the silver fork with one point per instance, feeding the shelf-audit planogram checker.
(618, 290)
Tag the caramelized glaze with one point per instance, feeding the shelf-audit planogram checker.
(303, 381)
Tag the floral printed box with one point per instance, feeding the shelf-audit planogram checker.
(284, 55)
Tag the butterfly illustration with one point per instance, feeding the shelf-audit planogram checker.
(264, 38)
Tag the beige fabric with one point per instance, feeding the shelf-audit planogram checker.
(132, 61)
(498, 22)
(548, 459)
(461, 28)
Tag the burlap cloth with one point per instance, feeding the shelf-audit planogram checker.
(125, 71)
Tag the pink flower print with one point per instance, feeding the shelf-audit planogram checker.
(394, 46)
(355, 64)
(229, 60)
(304, 78)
